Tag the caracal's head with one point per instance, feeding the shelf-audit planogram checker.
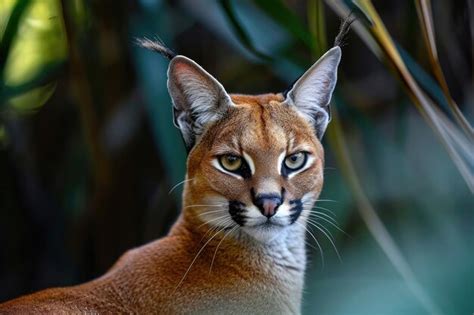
(255, 162)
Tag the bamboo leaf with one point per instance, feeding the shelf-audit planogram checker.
(426, 22)
(439, 123)
(380, 41)
(369, 215)
(316, 27)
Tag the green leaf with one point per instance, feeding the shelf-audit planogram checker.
(281, 14)
(34, 56)
(33, 99)
(47, 74)
(239, 30)
(10, 32)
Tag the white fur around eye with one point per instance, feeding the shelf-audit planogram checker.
(218, 166)
(280, 161)
(250, 162)
(309, 161)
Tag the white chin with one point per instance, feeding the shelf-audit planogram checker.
(265, 233)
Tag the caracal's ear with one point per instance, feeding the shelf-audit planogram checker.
(312, 92)
(198, 98)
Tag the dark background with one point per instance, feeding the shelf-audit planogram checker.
(88, 151)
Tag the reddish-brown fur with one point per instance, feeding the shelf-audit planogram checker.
(149, 279)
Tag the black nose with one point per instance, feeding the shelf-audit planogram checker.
(268, 204)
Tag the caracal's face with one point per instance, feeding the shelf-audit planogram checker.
(255, 162)
(259, 169)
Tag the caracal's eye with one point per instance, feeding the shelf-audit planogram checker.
(295, 161)
(230, 163)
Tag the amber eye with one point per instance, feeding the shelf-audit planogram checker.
(230, 163)
(295, 161)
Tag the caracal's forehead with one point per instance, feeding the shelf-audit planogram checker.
(262, 125)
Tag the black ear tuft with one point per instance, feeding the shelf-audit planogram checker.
(311, 93)
(156, 46)
(344, 29)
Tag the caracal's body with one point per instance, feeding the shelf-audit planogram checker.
(254, 171)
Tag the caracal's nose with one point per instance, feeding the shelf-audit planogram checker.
(268, 204)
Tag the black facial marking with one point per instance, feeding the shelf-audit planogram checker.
(245, 170)
(296, 209)
(236, 208)
(252, 194)
(284, 170)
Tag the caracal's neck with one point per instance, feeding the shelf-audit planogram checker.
(279, 264)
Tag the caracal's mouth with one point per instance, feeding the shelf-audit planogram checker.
(270, 223)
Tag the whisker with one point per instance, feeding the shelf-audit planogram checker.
(329, 238)
(326, 209)
(214, 205)
(319, 207)
(212, 220)
(215, 252)
(180, 183)
(212, 229)
(308, 203)
(312, 205)
(335, 225)
(317, 243)
(195, 257)
(333, 219)
(220, 222)
(327, 200)
(311, 245)
(317, 213)
(321, 226)
(213, 211)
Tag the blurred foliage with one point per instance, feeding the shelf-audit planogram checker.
(38, 47)
(88, 175)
